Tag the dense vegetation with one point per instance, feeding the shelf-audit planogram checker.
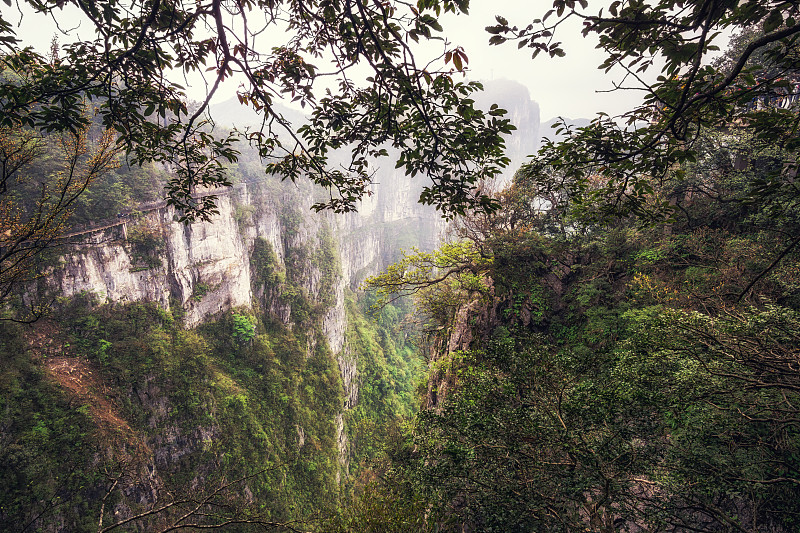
(582, 376)
(615, 348)
(632, 376)
(166, 412)
(612, 341)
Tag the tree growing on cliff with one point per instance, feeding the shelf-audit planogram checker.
(128, 68)
(441, 281)
(34, 209)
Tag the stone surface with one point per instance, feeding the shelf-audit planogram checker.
(206, 269)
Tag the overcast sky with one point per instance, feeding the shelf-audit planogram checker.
(571, 86)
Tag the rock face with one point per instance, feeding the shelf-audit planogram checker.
(180, 260)
(523, 113)
(210, 267)
(206, 267)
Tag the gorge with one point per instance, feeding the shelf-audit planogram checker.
(262, 305)
(197, 331)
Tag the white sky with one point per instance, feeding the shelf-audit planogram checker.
(569, 86)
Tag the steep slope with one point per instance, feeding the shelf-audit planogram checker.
(182, 357)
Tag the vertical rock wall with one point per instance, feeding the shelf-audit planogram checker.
(206, 267)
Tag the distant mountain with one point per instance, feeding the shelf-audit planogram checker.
(524, 114)
(232, 113)
(549, 133)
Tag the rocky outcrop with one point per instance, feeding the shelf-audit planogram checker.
(205, 267)
(524, 115)
(181, 262)
(210, 267)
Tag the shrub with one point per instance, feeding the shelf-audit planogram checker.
(244, 329)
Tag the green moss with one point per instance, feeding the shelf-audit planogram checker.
(267, 268)
(244, 328)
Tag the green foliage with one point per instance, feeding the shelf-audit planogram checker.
(290, 280)
(440, 281)
(536, 438)
(380, 508)
(200, 290)
(243, 214)
(147, 245)
(616, 168)
(237, 393)
(41, 180)
(388, 373)
(519, 265)
(265, 263)
(45, 442)
(620, 378)
(118, 192)
(244, 329)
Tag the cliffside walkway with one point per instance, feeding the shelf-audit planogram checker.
(125, 216)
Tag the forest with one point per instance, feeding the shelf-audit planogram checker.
(608, 342)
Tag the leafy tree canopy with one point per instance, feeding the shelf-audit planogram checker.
(612, 163)
(611, 378)
(139, 49)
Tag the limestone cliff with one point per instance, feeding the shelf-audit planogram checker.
(207, 268)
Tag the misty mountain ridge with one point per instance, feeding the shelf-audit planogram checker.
(510, 95)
